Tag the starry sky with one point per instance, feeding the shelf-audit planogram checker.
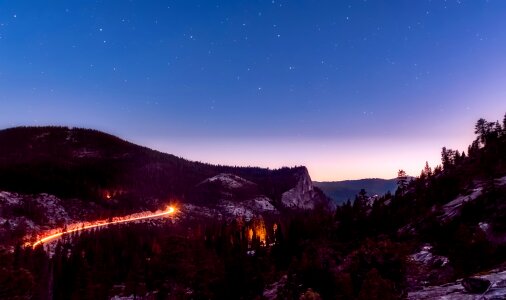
(351, 89)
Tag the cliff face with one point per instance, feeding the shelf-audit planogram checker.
(304, 195)
(234, 196)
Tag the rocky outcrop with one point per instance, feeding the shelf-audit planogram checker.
(272, 290)
(303, 195)
(457, 291)
(425, 268)
(453, 208)
(229, 181)
(235, 196)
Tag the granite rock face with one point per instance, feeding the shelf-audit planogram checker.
(457, 291)
(303, 195)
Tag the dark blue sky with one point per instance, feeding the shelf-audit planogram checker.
(349, 88)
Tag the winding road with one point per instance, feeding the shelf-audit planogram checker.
(54, 234)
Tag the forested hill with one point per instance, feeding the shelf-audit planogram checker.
(88, 164)
(448, 223)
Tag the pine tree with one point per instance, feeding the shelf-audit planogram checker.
(427, 170)
(497, 129)
(457, 157)
(481, 129)
(402, 181)
(473, 149)
(504, 123)
(362, 194)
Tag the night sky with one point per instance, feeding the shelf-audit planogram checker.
(351, 89)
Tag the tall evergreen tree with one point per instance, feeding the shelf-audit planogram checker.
(504, 123)
(402, 181)
(481, 129)
(427, 170)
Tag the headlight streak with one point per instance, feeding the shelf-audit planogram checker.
(51, 235)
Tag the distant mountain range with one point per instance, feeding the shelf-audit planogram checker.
(341, 191)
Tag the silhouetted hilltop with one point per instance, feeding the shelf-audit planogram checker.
(92, 165)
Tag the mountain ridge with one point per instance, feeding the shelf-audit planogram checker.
(341, 191)
(86, 164)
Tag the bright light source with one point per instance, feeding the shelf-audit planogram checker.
(69, 228)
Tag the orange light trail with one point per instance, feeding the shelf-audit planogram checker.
(76, 227)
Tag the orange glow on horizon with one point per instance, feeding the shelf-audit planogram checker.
(76, 227)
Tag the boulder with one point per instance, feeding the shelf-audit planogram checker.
(476, 285)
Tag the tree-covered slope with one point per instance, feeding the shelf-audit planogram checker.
(88, 164)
